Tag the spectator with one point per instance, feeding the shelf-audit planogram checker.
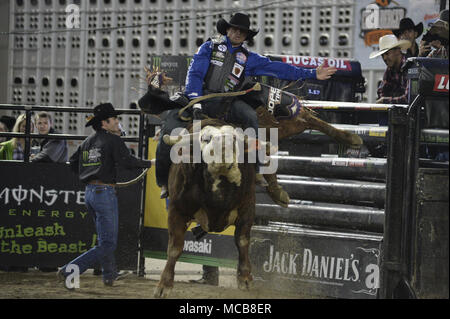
(14, 148)
(3, 129)
(51, 150)
(6, 125)
(394, 88)
(438, 37)
(410, 32)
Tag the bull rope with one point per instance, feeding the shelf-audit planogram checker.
(135, 180)
(256, 87)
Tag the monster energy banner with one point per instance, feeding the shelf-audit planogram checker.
(328, 263)
(175, 67)
(44, 221)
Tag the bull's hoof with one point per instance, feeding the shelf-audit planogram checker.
(162, 292)
(245, 283)
(278, 195)
(261, 181)
(356, 141)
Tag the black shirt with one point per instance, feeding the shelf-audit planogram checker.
(97, 157)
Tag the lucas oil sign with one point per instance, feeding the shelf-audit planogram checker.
(317, 262)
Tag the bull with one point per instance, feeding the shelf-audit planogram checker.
(220, 195)
(213, 193)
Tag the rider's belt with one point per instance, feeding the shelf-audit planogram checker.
(97, 182)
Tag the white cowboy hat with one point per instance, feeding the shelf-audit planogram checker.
(388, 42)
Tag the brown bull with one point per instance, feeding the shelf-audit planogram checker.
(287, 126)
(194, 197)
(215, 195)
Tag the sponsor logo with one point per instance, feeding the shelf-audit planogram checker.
(194, 246)
(156, 62)
(222, 48)
(359, 267)
(274, 99)
(313, 92)
(218, 54)
(378, 20)
(73, 17)
(312, 62)
(233, 80)
(241, 58)
(441, 83)
(237, 70)
(218, 63)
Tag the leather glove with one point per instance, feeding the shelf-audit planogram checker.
(197, 113)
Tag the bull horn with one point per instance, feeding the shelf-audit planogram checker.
(171, 140)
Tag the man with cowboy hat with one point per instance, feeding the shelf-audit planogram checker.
(95, 163)
(408, 31)
(437, 37)
(393, 88)
(221, 65)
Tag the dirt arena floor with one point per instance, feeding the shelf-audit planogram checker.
(39, 285)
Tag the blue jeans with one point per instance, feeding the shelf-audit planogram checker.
(101, 202)
(242, 113)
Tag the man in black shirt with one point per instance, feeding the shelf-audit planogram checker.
(95, 162)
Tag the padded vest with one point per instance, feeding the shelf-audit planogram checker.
(226, 70)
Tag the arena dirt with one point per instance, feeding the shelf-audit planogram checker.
(40, 285)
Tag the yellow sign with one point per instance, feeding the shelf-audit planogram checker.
(377, 133)
(155, 214)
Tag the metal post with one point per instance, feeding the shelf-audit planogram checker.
(26, 151)
(402, 164)
(409, 200)
(142, 149)
(391, 265)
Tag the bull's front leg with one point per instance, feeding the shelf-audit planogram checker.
(177, 226)
(242, 240)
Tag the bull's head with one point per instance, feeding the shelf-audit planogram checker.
(222, 149)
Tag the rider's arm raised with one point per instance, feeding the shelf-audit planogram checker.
(260, 65)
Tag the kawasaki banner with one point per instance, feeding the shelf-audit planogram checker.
(44, 221)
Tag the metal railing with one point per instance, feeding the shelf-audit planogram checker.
(28, 109)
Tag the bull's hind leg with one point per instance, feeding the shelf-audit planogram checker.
(242, 240)
(339, 136)
(177, 226)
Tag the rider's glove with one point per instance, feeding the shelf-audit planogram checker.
(197, 113)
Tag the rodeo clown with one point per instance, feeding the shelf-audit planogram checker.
(221, 65)
(95, 163)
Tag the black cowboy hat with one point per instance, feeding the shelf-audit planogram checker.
(9, 121)
(408, 24)
(238, 20)
(102, 112)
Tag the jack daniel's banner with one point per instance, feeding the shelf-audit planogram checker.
(44, 221)
(328, 263)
